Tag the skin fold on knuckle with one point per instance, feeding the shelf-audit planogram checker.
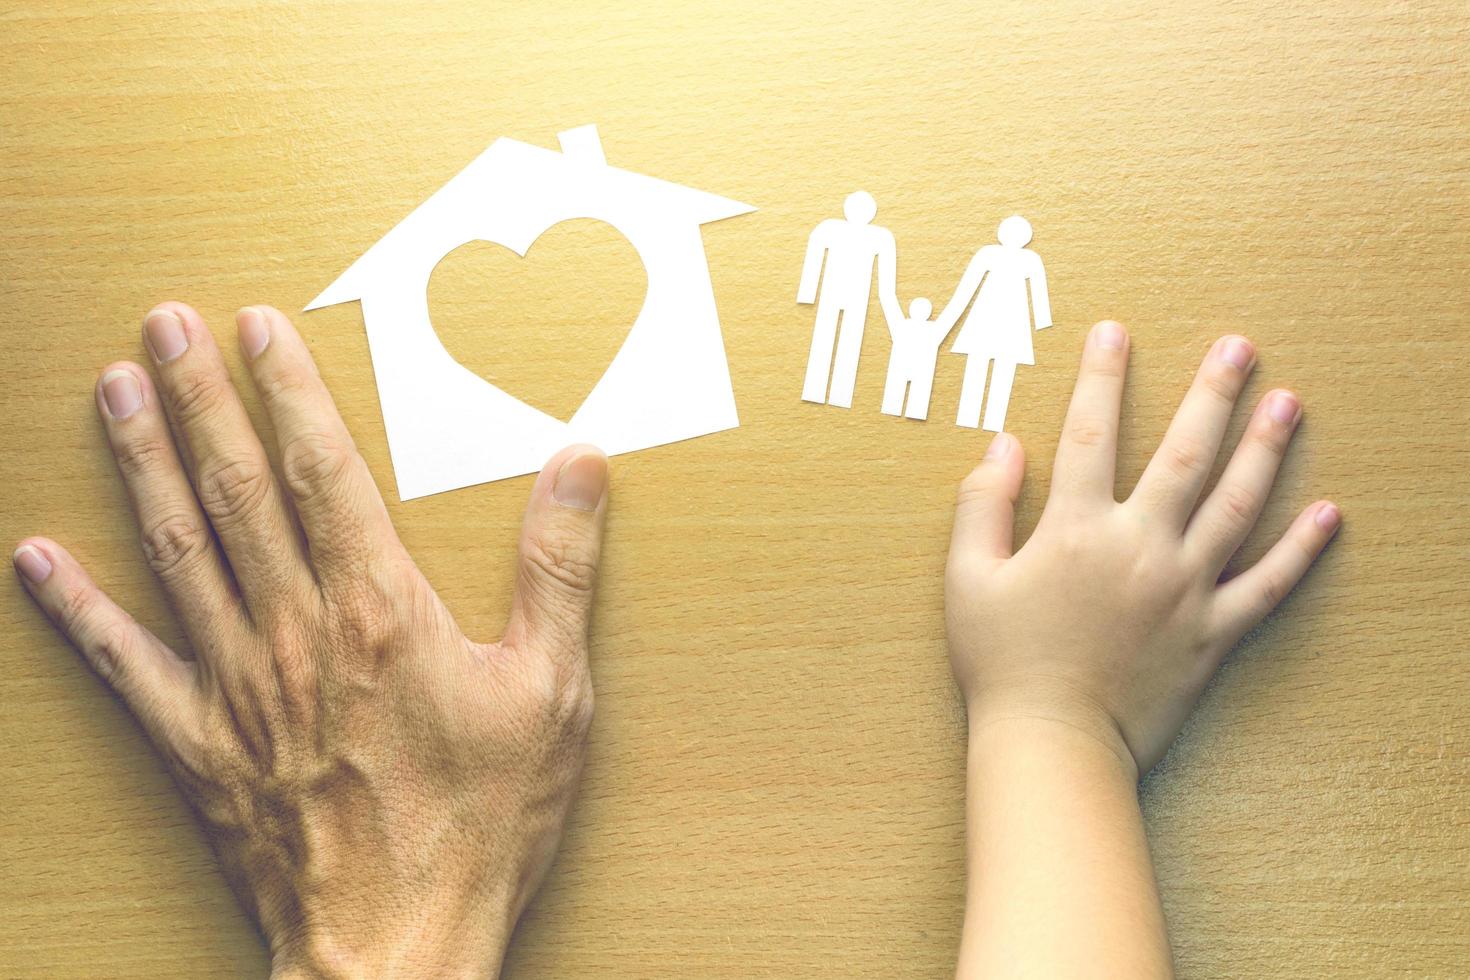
(1109, 366)
(136, 457)
(196, 395)
(105, 645)
(1307, 543)
(1220, 386)
(111, 650)
(315, 466)
(1272, 591)
(281, 382)
(232, 490)
(1273, 437)
(976, 492)
(174, 545)
(74, 606)
(1087, 431)
(1238, 505)
(1183, 456)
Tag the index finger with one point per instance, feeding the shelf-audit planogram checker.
(1087, 454)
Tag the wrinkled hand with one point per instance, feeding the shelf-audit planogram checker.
(383, 794)
(1112, 617)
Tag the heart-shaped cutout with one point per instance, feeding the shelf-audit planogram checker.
(545, 327)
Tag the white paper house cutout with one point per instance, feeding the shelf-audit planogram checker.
(448, 427)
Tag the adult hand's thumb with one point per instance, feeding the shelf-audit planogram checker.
(561, 541)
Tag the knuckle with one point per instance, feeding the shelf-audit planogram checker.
(1184, 456)
(110, 651)
(231, 490)
(972, 500)
(1239, 504)
(195, 394)
(363, 619)
(553, 560)
(1272, 439)
(297, 682)
(578, 705)
(1087, 430)
(314, 465)
(174, 544)
(138, 456)
(974, 490)
(1220, 385)
(1304, 547)
(104, 644)
(1109, 366)
(75, 605)
(1273, 590)
(562, 695)
(285, 673)
(277, 384)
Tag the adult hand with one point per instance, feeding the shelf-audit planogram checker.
(383, 793)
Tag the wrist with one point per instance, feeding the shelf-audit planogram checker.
(317, 959)
(451, 940)
(1052, 713)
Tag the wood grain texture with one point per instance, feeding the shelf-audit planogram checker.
(775, 783)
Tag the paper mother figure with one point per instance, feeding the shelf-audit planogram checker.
(999, 325)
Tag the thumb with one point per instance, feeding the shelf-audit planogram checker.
(561, 541)
(985, 514)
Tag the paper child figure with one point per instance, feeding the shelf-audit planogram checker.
(850, 248)
(999, 325)
(911, 364)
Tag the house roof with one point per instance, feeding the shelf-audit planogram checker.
(580, 147)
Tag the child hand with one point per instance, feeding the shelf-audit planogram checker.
(1112, 618)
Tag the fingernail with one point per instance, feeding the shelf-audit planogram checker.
(164, 332)
(1000, 446)
(1328, 517)
(581, 481)
(29, 561)
(121, 393)
(255, 333)
(1238, 353)
(1109, 335)
(1284, 408)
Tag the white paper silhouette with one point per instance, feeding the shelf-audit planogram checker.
(999, 325)
(850, 249)
(911, 363)
(447, 427)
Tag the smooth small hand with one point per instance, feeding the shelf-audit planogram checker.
(383, 793)
(1112, 617)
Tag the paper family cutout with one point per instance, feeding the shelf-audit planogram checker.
(448, 427)
(997, 330)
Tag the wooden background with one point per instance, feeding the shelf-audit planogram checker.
(775, 781)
